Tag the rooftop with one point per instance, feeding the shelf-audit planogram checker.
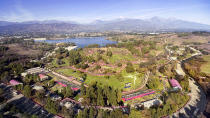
(14, 82)
(174, 83)
(42, 76)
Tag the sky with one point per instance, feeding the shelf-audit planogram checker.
(85, 11)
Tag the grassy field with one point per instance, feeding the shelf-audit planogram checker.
(69, 72)
(119, 55)
(206, 67)
(111, 80)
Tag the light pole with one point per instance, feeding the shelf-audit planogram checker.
(134, 82)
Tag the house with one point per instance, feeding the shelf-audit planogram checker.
(67, 103)
(14, 82)
(23, 74)
(38, 88)
(55, 97)
(35, 70)
(43, 77)
(137, 95)
(173, 58)
(151, 102)
(175, 84)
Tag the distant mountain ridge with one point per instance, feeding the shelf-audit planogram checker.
(154, 24)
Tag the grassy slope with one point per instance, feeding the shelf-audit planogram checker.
(119, 55)
(112, 80)
(206, 67)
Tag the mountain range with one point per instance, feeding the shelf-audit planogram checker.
(154, 24)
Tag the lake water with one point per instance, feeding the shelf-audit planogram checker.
(82, 42)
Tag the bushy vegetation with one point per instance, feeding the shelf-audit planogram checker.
(129, 68)
(172, 102)
(97, 94)
(95, 113)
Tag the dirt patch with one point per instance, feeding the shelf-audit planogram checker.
(18, 49)
(204, 47)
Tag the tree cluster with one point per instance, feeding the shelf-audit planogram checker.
(96, 94)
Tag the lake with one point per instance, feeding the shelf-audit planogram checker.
(82, 42)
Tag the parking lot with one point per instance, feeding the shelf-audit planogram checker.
(24, 104)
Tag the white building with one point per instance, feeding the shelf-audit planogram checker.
(38, 88)
(35, 70)
(67, 104)
(152, 102)
(69, 48)
(39, 39)
(55, 97)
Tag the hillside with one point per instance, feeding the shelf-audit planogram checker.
(154, 24)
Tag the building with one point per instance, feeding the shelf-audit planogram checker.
(65, 84)
(23, 74)
(14, 82)
(38, 88)
(55, 97)
(39, 39)
(137, 95)
(175, 84)
(43, 77)
(69, 48)
(151, 102)
(35, 70)
(67, 103)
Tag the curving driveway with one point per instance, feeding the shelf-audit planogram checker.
(196, 105)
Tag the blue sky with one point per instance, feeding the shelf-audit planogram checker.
(85, 11)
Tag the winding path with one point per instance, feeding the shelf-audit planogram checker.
(197, 100)
(145, 82)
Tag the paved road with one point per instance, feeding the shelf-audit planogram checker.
(197, 102)
(70, 79)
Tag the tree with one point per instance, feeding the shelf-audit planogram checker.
(154, 83)
(83, 76)
(74, 57)
(129, 68)
(119, 64)
(100, 99)
(5, 77)
(98, 57)
(109, 53)
(27, 91)
(1, 91)
(135, 114)
(51, 106)
(185, 84)
(68, 92)
(40, 96)
(91, 113)
(83, 89)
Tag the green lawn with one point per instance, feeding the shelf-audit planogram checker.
(69, 72)
(116, 58)
(206, 67)
(53, 64)
(111, 81)
(119, 56)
